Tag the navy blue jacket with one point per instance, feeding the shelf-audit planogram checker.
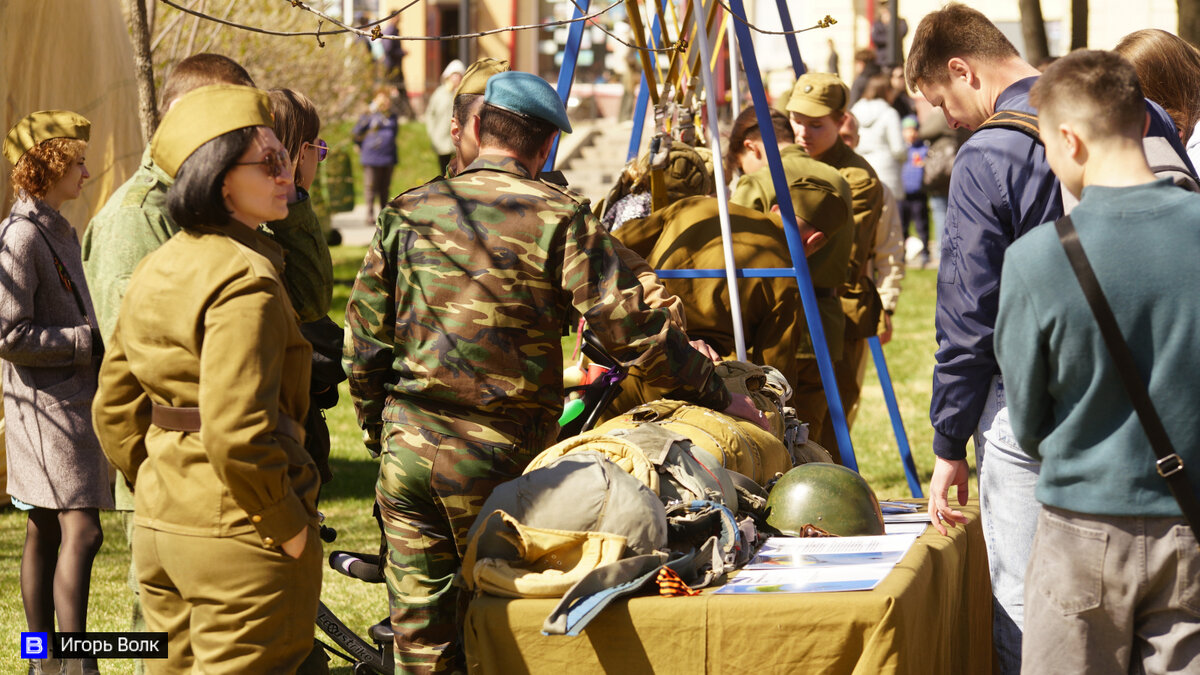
(376, 138)
(1001, 187)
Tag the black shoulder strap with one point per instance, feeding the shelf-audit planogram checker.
(1016, 120)
(62, 274)
(1169, 465)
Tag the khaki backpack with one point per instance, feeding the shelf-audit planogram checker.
(739, 445)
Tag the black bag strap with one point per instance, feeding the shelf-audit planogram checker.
(1169, 465)
(1015, 120)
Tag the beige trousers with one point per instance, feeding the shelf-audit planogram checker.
(227, 604)
(1109, 594)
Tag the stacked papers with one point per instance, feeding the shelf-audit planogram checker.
(793, 565)
(902, 512)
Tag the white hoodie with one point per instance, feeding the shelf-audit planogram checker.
(880, 141)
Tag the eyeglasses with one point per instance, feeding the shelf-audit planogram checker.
(276, 163)
(322, 149)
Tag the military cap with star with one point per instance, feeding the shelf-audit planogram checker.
(527, 95)
(818, 95)
(43, 126)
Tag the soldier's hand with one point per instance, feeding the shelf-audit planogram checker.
(704, 348)
(295, 546)
(740, 405)
(885, 336)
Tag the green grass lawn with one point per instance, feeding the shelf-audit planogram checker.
(347, 501)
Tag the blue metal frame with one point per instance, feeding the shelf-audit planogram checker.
(643, 97)
(795, 246)
(885, 381)
(566, 74)
(785, 20)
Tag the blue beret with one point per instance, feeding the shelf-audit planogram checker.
(527, 95)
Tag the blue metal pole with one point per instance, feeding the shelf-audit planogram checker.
(566, 74)
(643, 98)
(889, 395)
(785, 20)
(795, 247)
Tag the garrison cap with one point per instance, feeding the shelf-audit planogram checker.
(476, 78)
(527, 95)
(42, 126)
(201, 115)
(818, 95)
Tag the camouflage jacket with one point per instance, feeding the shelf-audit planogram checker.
(455, 320)
(132, 224)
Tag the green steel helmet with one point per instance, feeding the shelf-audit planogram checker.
(829, 496)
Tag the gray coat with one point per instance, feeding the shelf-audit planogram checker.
(49, 368)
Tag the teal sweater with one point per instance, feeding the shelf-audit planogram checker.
(1065, 399)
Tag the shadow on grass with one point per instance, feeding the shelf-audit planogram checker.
(353, 479)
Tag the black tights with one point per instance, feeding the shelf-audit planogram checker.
(56, 567)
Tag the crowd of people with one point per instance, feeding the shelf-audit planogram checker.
(187, 341)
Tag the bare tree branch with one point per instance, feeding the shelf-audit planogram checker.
(139, 34)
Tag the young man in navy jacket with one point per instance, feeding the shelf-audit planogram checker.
(1001, 187)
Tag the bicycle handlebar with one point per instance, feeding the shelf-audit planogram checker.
(361, 566)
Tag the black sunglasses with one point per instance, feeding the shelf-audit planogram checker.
(276, 163)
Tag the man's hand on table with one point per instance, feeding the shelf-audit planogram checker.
(947, 473)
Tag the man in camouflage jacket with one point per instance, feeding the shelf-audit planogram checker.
(454, 348)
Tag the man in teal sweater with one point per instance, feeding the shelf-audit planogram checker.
(1114, 575)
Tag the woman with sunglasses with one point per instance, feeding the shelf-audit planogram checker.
(200, 391)
(308, 274)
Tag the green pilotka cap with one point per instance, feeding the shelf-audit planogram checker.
(203, 114)
(818, 95)
(475, 80)
(43, 126)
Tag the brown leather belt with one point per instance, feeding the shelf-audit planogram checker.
(187, 419)
(827, 292)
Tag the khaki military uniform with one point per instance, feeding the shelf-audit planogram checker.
(687, 235)
(860, 298)
(454, 355)
(822, 197)
(206, 324)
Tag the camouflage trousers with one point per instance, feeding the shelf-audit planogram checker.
(430, 488)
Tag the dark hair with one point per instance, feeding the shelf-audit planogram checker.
(199, 70)
(520, 134)
(44, 165)
(196, 198)
(296, 119)
(878, 86)
(462, 107)
(954, 31)
(745, 128)
(1095, 89)
(1168, 68)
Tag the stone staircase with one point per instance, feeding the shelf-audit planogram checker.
(596, 158)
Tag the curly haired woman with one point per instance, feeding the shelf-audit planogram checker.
(50, 345)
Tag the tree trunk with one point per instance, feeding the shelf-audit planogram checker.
(1189, 20)
(1033, 29)
(1079, 24)
(139, 34)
